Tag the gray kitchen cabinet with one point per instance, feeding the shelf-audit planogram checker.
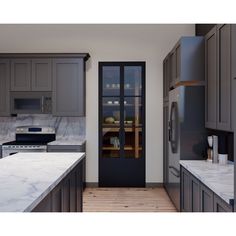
(206, 199)
(57, 198)
(31, 74)
(41, 74)
(219, 64)
(220, 205)
(68, 87)
(185, 191)
(211, 78)
(20, 75)
(194, 194)
(4, 87)
(166, 75)
(224, 77)
(196, 197)
(186, 60)
(172, 68)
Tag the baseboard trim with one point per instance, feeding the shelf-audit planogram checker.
(91, 184)
(148, 185)
(154, 185)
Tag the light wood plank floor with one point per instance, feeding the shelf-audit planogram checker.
(126, 200)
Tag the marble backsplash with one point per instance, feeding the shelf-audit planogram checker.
(67, 128)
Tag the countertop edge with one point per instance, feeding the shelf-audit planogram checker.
(227, 200)
(54, 184)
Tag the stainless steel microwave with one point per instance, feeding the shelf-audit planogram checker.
(31, 102)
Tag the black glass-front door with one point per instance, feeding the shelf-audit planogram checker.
(122, 124)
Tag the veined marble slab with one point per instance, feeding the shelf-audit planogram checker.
(77, 141)
(26, 178)
(218, 178)
(67, 128)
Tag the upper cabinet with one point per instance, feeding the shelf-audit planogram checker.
(31, 74)
(187, 61)
(68, 87)
(166, 77)
(218, 78)
(4, 87)
(41, 75)
(63, 75)
(20, 75)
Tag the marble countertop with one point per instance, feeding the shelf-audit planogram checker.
(218, 178)
(26, 178)
(68, 142)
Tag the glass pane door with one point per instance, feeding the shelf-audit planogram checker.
(133, 112)
(111, 112)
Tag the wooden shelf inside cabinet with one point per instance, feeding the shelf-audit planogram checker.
(111, 148)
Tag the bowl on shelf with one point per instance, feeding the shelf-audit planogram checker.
(116, 122)
(129, 122)
(109, 120)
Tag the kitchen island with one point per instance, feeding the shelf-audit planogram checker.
(41, 182)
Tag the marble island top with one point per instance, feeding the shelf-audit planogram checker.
(26, 178)
(218, 178)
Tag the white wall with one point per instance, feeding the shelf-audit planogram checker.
(148, 43)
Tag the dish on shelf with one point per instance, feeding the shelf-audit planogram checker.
(109, 102)
(129, 122)
(109, 120)
(116, 122)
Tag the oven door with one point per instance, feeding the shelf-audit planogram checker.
(10, 151)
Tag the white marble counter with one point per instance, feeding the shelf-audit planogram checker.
(26, 178)
(218, 178)
(76, 142)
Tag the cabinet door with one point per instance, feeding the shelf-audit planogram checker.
(20, 75)
(68, 87)
(224, 77)
(79, 189)
(178, 62)
(206, 197)
(57, 198)
(4, 87)
(185, 191)
(194, 194)
(211, 81)
(45, 205)
(172, 68)
(41, 75)
(220, 205)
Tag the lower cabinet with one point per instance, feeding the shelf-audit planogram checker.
(206, 199)
(67, 196)
(196, 197)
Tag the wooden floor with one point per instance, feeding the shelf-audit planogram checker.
(126, 200)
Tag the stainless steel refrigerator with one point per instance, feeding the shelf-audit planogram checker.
(186, 131)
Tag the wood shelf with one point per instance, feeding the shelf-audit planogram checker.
(111, 148)
(114, 105)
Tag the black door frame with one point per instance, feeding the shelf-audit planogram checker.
(139, 183)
